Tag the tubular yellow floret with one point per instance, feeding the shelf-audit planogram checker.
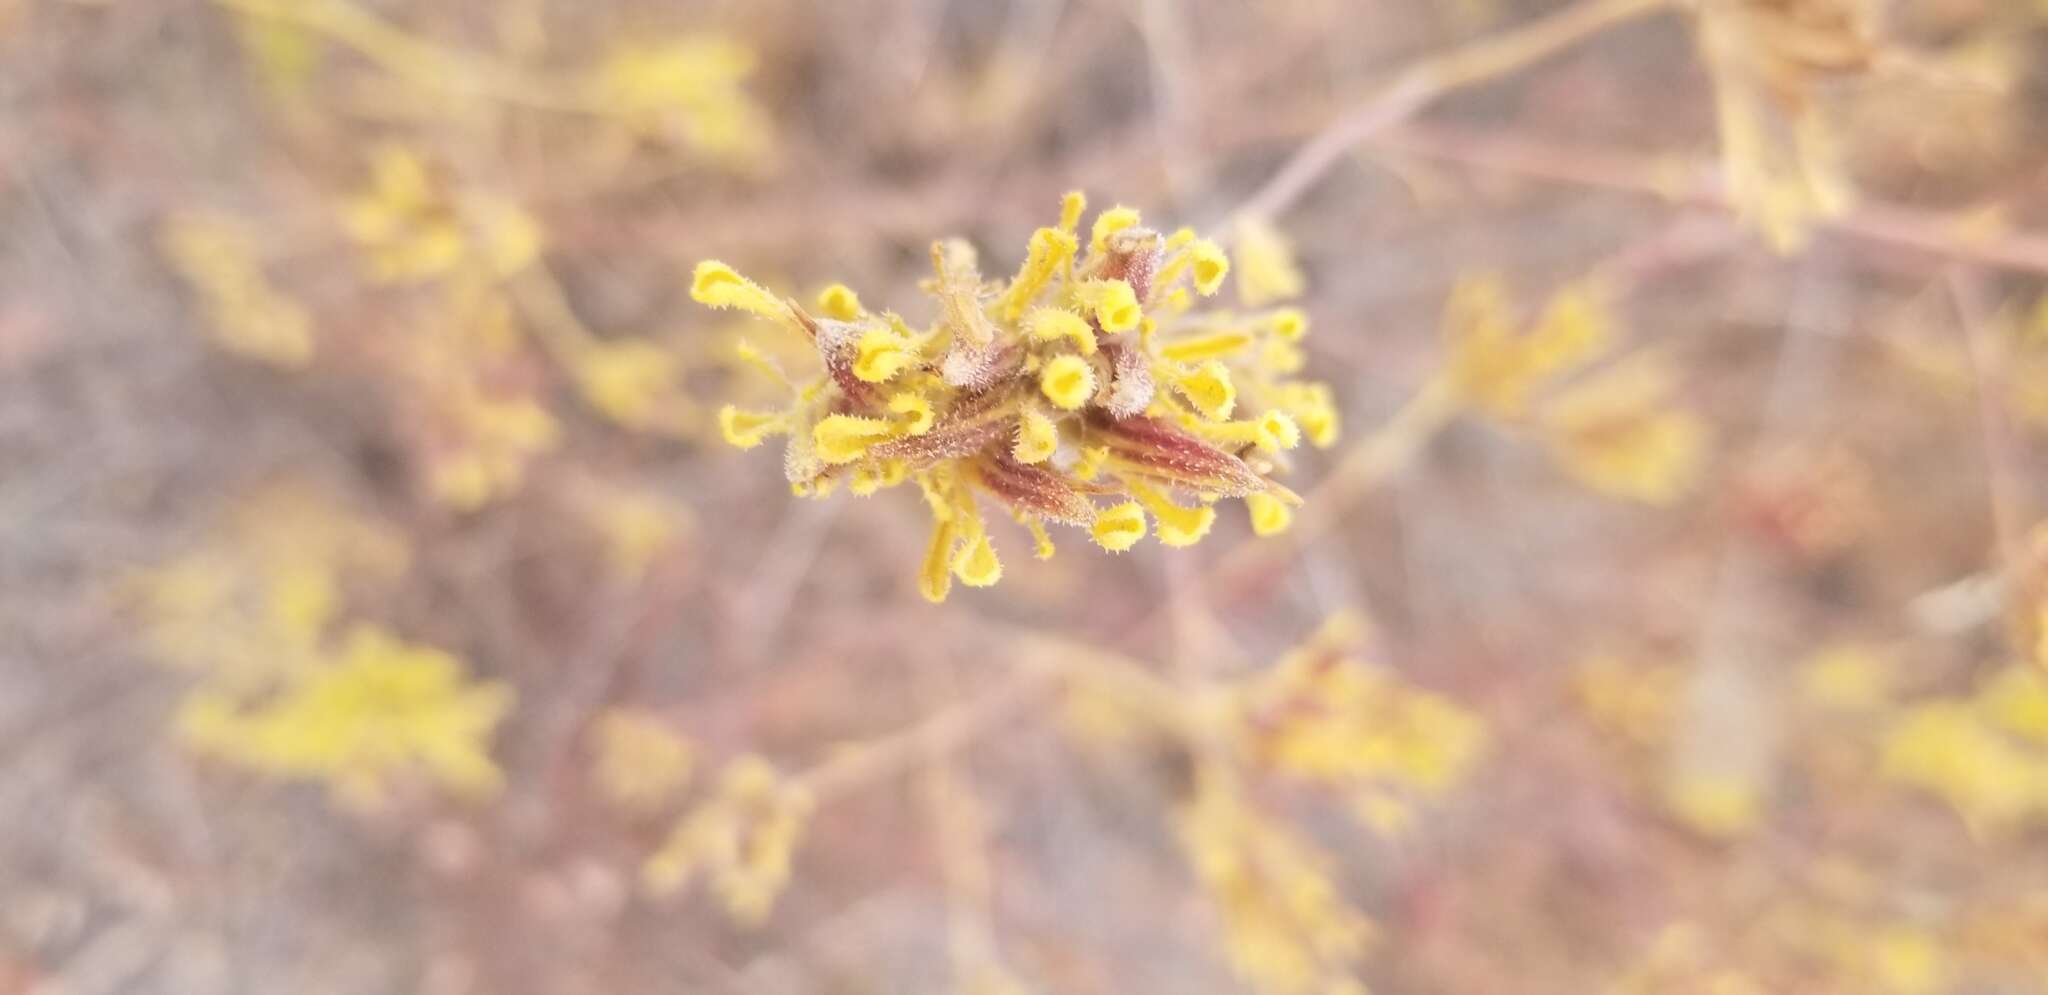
(935, 577)
(1314, 410)
(715, 284)
(1270, 515)
(1037, 437)
(1288, 323)
(1209, 389)
(1041, 543)
(747, 429)
(1277, 431)
(881, 354)
(1051, 324)
(1071, 207)
(839, 302)
(1108, 223)
(1119, 528)
(845, 438)
(1050, 250)
(1178, 526)
(976, 564)
(1211, 266)
(1068, 382)
(1210, 346)
(1113, 303)
(917, 414)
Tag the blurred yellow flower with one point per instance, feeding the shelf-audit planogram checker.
(245, 314)
(381, 708)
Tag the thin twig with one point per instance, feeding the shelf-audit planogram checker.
(1429, 80)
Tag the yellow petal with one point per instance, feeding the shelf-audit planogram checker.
(1270, 515)
(1114, 304)
(717, 285)
(1037, 437)
(1052, 324)
(1119, 528)
(747, 429)
(845, 438)
(1211, 266)
(1209, 389)
(976, 564)
(839, 302)
(1067, 381)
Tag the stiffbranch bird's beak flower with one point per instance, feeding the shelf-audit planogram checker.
(1087, 391)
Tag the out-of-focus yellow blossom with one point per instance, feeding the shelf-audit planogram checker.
(1780, 155)
(1848, 679)
(493, 439)
(415, 228)
(381, 708)
(1635, 701)
(689, 91)
(1266, 271)
(740, 839)
(1716, 805)
(245, 314)
(1335, 720)
(1074, 381)
(636, 528)
(627, 380)
(1985, 755)
(255, 603)
(1496, 369)
(1285, 927)
(640, 764)
(1618, 434)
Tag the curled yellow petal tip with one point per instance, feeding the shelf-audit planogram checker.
(880, 355)
(1108, 223)
(1211, 266)
(1052, 324)
(845, 438)
(747, 429)
(1068, 382)
(976, 564)
(1119, 528)
(1270, 515)
(839, 302)
(1289, 323)
(714, 284)
(1209, 389)
(1114, 304)
(1037, 437)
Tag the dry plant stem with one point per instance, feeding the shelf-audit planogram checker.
(959, 832)
(1427, 81)
(1946, 236)
(2002, 450)
(1045, 662)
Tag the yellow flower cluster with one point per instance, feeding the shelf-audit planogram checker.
(1780, 156)
(1325, 718)
(1090, 374)
(688, 91)
(414, 228)
(1986, 754)
(245, 314)
(1615, 430)
(252, 616)
(639, 764)
(740, 839)
(1285, 927)
(255, 604)
(379, 708)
